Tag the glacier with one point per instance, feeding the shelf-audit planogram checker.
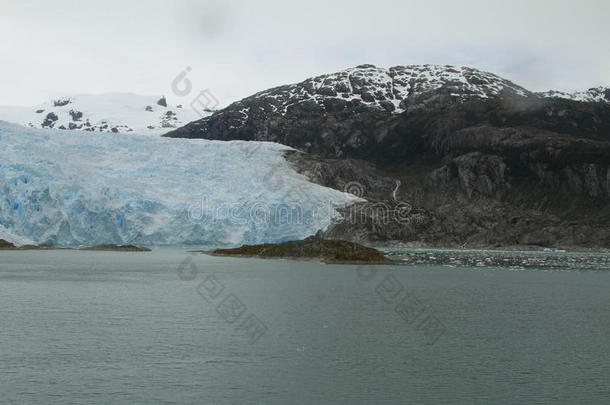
(70, 188)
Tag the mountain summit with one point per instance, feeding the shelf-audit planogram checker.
(393, 90)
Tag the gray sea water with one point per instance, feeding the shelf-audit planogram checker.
(167, 327)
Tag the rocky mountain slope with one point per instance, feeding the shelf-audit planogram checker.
(111, 112)
(593, 95)
(366, 87)
(479, 160)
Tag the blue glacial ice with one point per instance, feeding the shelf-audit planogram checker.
(73, 188)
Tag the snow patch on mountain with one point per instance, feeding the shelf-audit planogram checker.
(391, 88)
(593, 95)
(394, 90)
(69, 188)
(111, 112)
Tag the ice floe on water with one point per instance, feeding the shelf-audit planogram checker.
(553, 259)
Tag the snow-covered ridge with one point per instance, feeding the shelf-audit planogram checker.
(111, 112)
(594, 95)
(70, 188)
(394, 90)
(391, 89)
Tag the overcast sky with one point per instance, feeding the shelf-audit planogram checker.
(235, 48)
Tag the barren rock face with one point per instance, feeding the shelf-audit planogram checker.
(6, 245)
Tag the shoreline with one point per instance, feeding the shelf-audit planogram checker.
(195, 248)
(294, 258)
(99, 248)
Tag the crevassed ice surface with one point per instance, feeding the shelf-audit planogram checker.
(74, 188)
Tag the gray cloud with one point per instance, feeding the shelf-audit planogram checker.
(238, 47)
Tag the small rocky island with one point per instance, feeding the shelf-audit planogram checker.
(6, 245)
(313, 247)
(117, 248)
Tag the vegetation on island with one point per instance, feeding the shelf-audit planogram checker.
(313, 247)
